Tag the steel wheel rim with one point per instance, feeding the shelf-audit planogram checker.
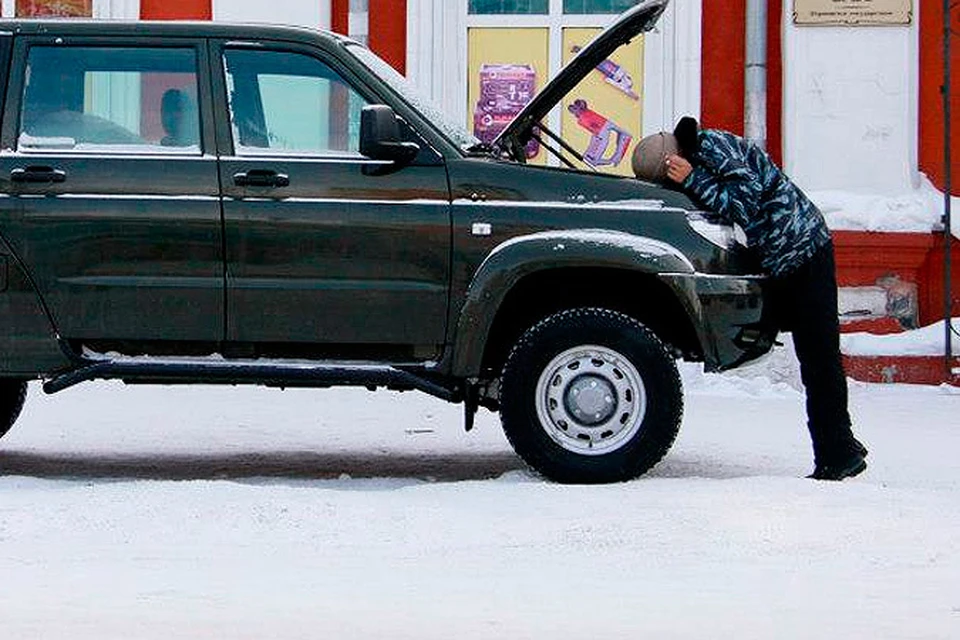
(591, 400)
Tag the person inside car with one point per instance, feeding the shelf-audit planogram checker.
(178, 115)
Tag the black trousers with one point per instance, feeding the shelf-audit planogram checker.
(804, 302)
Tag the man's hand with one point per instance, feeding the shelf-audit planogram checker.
(678, 168)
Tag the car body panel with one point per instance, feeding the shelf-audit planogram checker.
(126, 246)
(537, 219)
(352, 256)
(352, 260)
(529, 255)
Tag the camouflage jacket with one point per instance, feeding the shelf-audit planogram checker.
(739, 181)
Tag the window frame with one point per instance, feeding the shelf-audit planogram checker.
(241, 151)
(225, 141)
(10, 132)
(435, 147)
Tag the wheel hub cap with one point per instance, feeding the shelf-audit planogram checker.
(591, 400)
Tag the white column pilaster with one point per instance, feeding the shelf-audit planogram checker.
(672, 67)
(437, 52)
(304, 13)
(117, 9)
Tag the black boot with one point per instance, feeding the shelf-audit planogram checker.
(858, 446)
(837, 454)
(837, 466)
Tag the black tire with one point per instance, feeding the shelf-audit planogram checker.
(590, 396)
(13, 393)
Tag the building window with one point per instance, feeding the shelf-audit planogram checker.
(509, 6)
(597, 6)
(508, 63)
(51, 8)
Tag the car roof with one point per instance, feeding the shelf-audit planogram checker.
(174, 29)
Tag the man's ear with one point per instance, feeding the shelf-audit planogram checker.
(687, 138)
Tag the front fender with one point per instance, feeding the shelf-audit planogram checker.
(511, 261)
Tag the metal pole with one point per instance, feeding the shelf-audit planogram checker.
(947, 188)
(755, 74)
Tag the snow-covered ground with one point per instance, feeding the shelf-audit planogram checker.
(164, 512)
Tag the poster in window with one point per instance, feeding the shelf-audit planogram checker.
(602, 116)
(506, 66)
(54, 8)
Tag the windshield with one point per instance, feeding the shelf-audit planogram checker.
(458, 134)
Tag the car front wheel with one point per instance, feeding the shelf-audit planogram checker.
(590, 396)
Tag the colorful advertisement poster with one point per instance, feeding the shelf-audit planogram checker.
(62, 8)
(602, 117)
(506, 66)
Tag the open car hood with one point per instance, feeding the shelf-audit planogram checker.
(631, 23)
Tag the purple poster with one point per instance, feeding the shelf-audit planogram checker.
(504, 90)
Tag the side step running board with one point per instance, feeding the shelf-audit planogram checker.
(152, 371)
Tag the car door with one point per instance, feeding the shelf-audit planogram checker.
(113, 207)
(328, 253)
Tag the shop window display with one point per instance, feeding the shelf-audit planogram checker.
(597, 6)
(508, 65)
(603, 116)
(508, 6)
(506, 69)
(54, 8)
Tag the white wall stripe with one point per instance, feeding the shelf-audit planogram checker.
(305, 13)
(118, 9)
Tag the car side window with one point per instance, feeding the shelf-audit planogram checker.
(285, 102)
(110, 99)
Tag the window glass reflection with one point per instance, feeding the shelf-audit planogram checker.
(508, 6)
(597, 6)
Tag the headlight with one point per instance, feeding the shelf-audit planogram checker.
(724, 236)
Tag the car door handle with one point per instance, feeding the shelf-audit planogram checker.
(38, 175)
(261, 178)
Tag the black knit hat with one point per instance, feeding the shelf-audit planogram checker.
(687, 138)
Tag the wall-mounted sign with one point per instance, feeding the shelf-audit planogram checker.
(852, 13)
(61, 8)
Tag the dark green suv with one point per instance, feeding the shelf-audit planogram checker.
(207, 203)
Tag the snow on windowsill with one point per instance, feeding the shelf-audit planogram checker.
(916, 211)
(926, 341)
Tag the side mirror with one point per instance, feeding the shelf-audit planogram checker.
(380, 136)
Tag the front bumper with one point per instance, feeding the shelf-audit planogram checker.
(729, 312)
